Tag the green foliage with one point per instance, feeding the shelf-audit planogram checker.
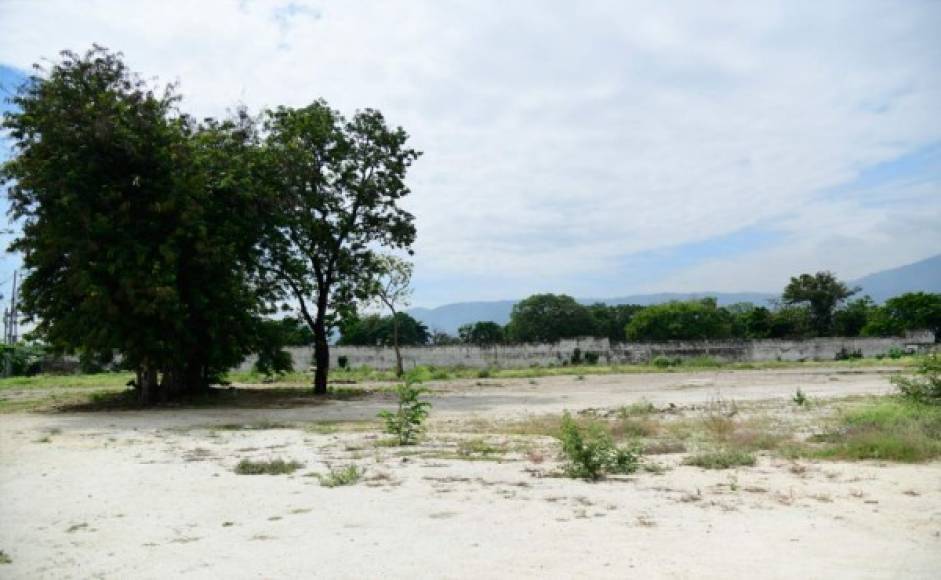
(692, 320)
(910, 311)
(273, 336)
(591, 357)
(591, 453)
(662, 362)
(22, 359)
(406, 422)
(721, 459)
(925, 386)
(338, 183)
(610, 321)
(822, 293)
(548, 318)
(791, 322)
(891, 430)
(337, 477)
(846, 354)
(853, 317)
(139, 225)
(4, 558)
(269, 467)
(376, 330)
(800, 399)
(484, 333)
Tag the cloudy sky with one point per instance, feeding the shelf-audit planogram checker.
(593, 148)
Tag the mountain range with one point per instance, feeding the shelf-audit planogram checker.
(924, 275)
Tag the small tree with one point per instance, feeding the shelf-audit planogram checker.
(484, 333)
(823, 293)
(392, 288)
(548, 318)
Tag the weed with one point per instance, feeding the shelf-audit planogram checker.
(799, 398)
(639, 409)
(406, 422)
(484, 373)
(664, 447)
(269, 467)
(591, 453)
(4, 558)
(477, 448)
(721, 459)
(337, 477)
(925, 386)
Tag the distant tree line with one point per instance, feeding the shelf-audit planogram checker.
(811, 305)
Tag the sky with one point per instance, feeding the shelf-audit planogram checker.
(592, 148)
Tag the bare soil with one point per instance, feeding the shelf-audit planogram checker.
(153, 494)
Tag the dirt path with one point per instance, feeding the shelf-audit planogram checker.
(134, 494)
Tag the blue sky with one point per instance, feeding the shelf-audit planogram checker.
(602, 149)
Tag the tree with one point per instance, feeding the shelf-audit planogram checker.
(376, 330)
(483, 333)
(853, 317)
(338, 183)
(138, 227)
(439, 337)
(392, 287)
(548, 318)
(823, 293)
(610, 321)
(910, 311)
(690, 320)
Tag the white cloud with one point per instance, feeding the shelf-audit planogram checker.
(560, 137)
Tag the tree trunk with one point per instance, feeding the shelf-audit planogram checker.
(399, 370)
(321, 355)
(147, 385)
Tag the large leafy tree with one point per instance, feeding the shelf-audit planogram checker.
(691, 320)
(909, 311)
(823, 293)
(137, 230)
(338, 184)
(548, 318)
(482, 333)
(377, 330)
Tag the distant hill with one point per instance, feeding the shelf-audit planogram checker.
(920, 276)
(923, 276)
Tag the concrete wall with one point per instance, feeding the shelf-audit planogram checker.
(527, 355)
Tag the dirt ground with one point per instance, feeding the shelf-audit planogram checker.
(154, 495)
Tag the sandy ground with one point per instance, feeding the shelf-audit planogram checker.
(154, 495)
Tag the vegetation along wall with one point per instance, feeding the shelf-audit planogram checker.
(584, 349)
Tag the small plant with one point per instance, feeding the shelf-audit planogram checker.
(4, 558)
(271, 467)
(576, 356)
(484, 373)
(895, 353)
(800, 399)
(721, 459)
(592, 357)
(844, 354)
(591, 453)
(343, 361)
(662, 362)
(406, 422)
(925, 386)
(337, 477)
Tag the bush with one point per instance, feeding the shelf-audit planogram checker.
(592, 357)
(348, 475)
(22, 359)
(844, 354)
(343, 361)
(272, 467)
(799, 398)
(591, 453)
(721, 459)
(576, 356)
(895, 353)
(662, 362)
(925, 386)
(406, 422)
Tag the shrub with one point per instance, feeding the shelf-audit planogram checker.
(271, 467)
(721, 459)
(592, 357)
(343, 361)
(799, 398)
(925, 386)
(662, 362)
(406, 422)
(348, 475)
(591, 453)
(577, 356)
(844, 354)
(484, 373)
(895, 353)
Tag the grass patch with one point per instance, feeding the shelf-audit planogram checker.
(721, 459)
(478, 449)
(5, 558)
(890, 429)
(269, 467)
(337, 477)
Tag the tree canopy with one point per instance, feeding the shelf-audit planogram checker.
(822, 293)
(548, 318)
(482, 333)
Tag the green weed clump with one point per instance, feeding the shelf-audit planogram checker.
(721, 459)
(4, 558)
(591, 453)
(349, 475)
(406, 422)
(893, 429)
(270, 467)
(925, 386)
